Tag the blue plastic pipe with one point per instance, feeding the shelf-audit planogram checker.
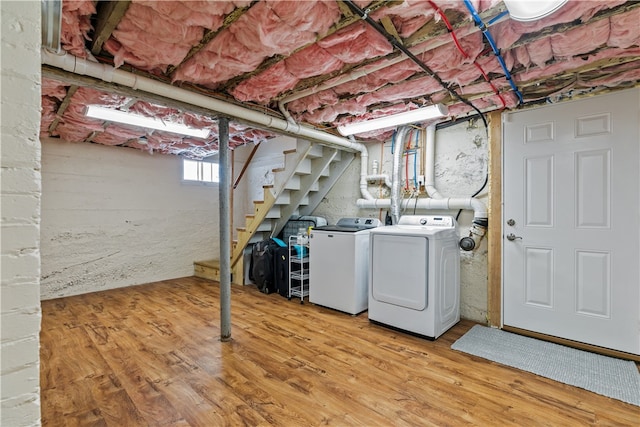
(492, 43)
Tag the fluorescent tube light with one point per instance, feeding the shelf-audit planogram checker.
(414, 116)
(112, 115)
(532, 10)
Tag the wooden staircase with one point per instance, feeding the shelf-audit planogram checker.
(310, 171)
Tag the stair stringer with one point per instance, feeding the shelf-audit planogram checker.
(336, 169)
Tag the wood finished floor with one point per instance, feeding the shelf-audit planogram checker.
(151, 355)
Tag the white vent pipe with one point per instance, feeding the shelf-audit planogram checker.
(447, 203)
(396, 182)
(430, 164)
(110, 74)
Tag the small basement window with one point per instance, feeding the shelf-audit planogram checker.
(200, 171)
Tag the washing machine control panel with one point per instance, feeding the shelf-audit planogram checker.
(428, 221)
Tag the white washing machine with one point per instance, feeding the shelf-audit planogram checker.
(414, 275)
(339, 264)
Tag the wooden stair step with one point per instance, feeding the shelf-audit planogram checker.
(210, 269)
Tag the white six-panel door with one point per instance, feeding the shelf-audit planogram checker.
(571, 225)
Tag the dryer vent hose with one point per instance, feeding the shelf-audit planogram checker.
(476, 233)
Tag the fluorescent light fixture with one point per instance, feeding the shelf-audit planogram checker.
(532, 10)
(113, 115)
(414, 116)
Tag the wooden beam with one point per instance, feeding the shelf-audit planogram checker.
(210, 35)
(390, 28)
(63, 107)
(109, 15)
(345, 22)
(494, 235)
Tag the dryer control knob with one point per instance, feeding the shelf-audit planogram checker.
(423, 221)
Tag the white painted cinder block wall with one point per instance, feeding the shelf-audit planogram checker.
(115, 216)
(20, 206)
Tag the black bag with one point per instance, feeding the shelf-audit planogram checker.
(262, 264)
(281, 270)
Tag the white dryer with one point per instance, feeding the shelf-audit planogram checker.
(414, 275)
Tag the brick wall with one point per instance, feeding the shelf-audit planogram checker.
(20, 207)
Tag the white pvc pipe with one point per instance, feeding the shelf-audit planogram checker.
(430, 164)
(110, 74)
(380, 177)
(449, 203)
(438, 202)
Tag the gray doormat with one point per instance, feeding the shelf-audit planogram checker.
(608, 376)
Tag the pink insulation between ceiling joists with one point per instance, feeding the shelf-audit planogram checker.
(151, 40)
(351, 44)
(620, 31)
(74, 126)
(76, 24)
(155, 35)
(258, 34)
(452, 66)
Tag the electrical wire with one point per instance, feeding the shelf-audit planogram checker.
(480, 24)
(365, 16)
(395, 43)
(465, 54)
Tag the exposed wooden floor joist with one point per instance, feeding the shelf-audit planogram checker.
(151, 355)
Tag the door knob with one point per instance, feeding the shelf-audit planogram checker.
(511, 237)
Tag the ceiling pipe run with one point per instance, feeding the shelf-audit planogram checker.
(110, 74)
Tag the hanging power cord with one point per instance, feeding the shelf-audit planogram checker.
(480, 24)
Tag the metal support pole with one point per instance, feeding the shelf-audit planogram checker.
(224, 197)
